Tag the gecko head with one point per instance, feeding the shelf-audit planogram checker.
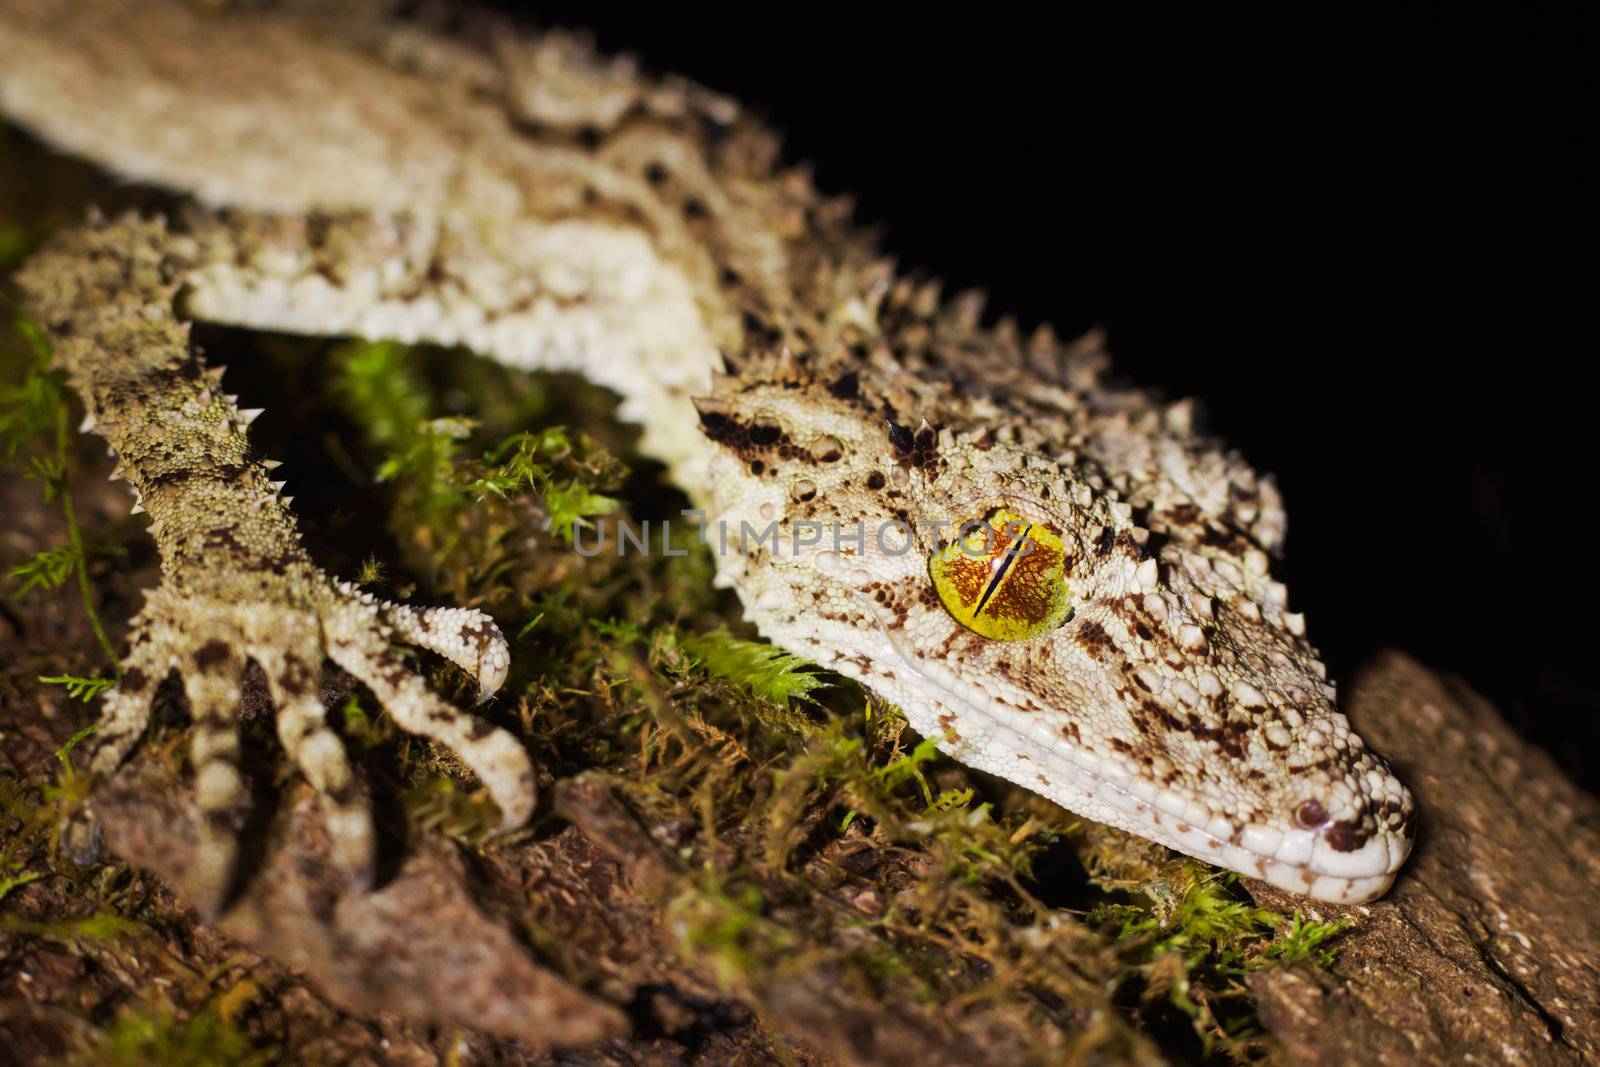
(1014, 608)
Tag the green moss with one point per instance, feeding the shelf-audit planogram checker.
(12, 872)
(98, 929)
(444, 806)
(763, 671)
(1195, 938)
(14, 243)
(155, 1032)
(720, 922)
(1302, 940)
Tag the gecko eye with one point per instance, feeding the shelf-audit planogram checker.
(1003, 577)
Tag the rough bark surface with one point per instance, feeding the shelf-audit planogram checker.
(418, 946)
(1488, 948)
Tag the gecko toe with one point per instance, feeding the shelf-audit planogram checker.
(497, 758)
(464, 636)
(291, 676)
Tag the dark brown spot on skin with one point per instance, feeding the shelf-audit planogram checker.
(226, 472)
(1219, 537)
(1347, 836)
(134, 680)
(225, 822)
(1183, 514)
(756, 466)
(875, 480)
(296, 679)
(211, 655)
(1228, 737)
(343, 795)
(655, 173)
(478, 630)
(1129, 546)
(846, 386)
(1157, 713)
(764, 434)
(1092, 637)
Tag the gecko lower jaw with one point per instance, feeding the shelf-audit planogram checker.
(1304, 862)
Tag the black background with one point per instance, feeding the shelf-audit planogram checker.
(1288, 222)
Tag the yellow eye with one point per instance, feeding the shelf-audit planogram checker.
(1004, 577)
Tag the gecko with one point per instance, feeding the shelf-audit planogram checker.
(1057, 576)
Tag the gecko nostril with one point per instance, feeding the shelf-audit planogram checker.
(1309, 815)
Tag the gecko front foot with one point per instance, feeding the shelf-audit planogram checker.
(288, 629)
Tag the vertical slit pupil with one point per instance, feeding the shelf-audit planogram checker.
(1005, 565)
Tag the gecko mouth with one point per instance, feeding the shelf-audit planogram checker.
(1302, 861)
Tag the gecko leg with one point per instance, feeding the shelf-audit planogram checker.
(237, 586)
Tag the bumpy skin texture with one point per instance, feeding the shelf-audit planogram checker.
(549, 208)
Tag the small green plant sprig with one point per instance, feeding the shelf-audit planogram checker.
(760, 669)
(393, 404)
(34, 438)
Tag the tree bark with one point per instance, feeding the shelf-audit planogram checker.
(1487, 950)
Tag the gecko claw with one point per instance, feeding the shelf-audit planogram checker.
(79, 838)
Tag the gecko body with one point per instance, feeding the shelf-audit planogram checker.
(1125, 653)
